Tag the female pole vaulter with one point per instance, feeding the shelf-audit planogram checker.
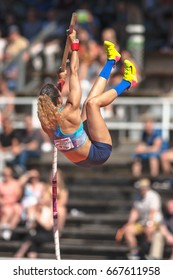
(82, 135)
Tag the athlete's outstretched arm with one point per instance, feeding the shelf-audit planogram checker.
(75, 94)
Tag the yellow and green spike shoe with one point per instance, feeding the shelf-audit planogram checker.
(111, 51)
(130, 73)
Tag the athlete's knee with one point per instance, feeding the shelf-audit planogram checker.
(92, 102)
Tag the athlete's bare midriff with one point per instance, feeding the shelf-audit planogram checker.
(79, 154)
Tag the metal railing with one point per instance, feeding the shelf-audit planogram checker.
(129, 121)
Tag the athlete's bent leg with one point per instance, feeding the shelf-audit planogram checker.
(98, 88)
(96, 125)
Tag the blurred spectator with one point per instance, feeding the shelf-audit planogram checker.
(9, 19)
(16, 43)
(84, 57)
(165, 234)
(149, 4)
(10, 208)
(18, 9)
(32, 25)
(127, 13)
(158, 17)
(29, 146)
(150, 148)
(40, 5)
(7, 141)
(42, 230)
(66, 4)
(144, 218)
(33, 189)
(121, 22)
(53, 16)
(7, 98)
(167, 160)
(88, 54)
(53, 42)
(109, 34)
(134, 13)
(3, 43)
(167, 227)
(87, 20)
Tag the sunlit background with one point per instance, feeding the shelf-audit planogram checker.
(93, 204)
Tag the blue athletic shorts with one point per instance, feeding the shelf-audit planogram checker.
(146, 156)
(98, 154)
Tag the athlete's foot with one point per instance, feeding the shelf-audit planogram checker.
(110, 50)
(130, 73)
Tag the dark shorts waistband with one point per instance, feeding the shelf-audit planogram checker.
(98, 154)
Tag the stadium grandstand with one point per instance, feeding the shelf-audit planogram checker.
(95, 203)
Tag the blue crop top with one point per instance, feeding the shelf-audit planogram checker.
(68, 142)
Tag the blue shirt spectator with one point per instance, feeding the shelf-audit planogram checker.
(150, 148)
(150, 139)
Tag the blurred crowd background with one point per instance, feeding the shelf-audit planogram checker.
(32, 39)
